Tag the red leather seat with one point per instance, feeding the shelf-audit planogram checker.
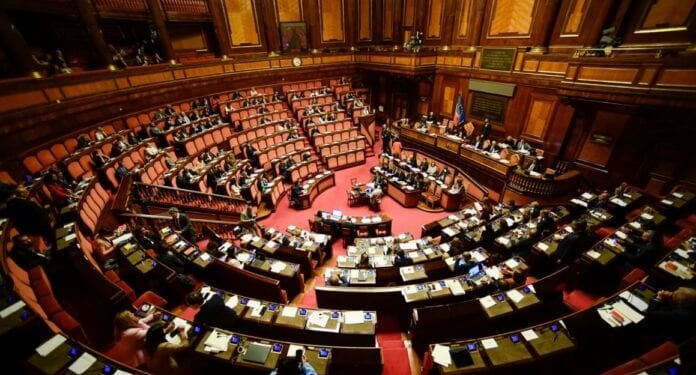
(626, 368)
(149, 297)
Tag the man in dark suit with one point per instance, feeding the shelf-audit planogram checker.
(213, 312)
(401, 260)
(671, 315)
(182, 224)
(28, 216)
(24, 253)
(546, 225)
(571, 245)
(486, 131)
(295, 193)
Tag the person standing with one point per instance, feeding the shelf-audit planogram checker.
(182, 224)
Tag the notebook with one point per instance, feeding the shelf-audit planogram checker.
(257, 352)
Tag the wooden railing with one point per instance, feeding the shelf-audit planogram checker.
(221, 227)
(544, 187)
(198, 7)
(196, 204)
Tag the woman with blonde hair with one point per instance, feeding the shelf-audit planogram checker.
(129, 332)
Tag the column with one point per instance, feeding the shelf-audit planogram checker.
(158, 19)
(89, 20)
(221, 33)
(16, 46)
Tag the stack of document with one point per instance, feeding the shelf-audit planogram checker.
(441, 355)
(278, 266)
(354, 317)
(515, 295)
(487, 302)
(289, 311)
(318, 319)
(217, 342)
(49, 346)
(619, 314)
(677, 269)
(456, 287)
(12, 309)
(232, 302)
(83, 363)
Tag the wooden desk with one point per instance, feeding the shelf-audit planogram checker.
(499, 308)
(402, 194)
(478, 365)
(550, 342)
(315, 186)
(507, 352)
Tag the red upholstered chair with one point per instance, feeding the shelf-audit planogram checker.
(578, 300)
(69, 325)
(661, 353)
(626, 368)
(149, 297)
(50, 305)
(636, 274)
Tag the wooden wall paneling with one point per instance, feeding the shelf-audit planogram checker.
(477, 23)
(557, 131)
(188, 37)
(660, 21)
(289, 10)
(242, 19)
(464, 11)
(435, 18)
(511, 18)
(580, 22)
(388, 10)
(539, 117)
(332, 21)
(606, 127)
(364, 20)
(449, 93)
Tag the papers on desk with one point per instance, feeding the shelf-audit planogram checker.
(7, 311)
(512, 263)
(257, 311)
(289, 311)
(84, 362)
(242, 257)
(444, 247)
(205, 257)
(247, 237)
(477, 256)
(487, 302)
(619, 314)
(618, 202)
(50, 345)
(449, 231)
(411, 245)
(407, 270)
(634, 224)
(122, 239)
(456, 287)
(515, 295)
(489, 344)
(494, 272)
(354, 317)
(682, 253)
(252, 303)
(318, 319)
(292, 349)
(232, 302)
(478, 206)
(586, 195)
(217, 342)
(621, 234)
(409, 289)
(180, 324)
(647, 216)
(529, 335)
(70, 237)
(593, 254)
(278, 266)
(510, 222)
(542, 246)
(677, 269)
(121, 372)
(441, 355)
(635, 301)
(579, 202)
(504, 241)
(678, 195)
(667, 202)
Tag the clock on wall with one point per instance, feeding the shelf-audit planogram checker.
(297, 62)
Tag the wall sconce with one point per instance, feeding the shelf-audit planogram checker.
(172, 62)
(36, 74)
(112, 67)
(445, 48)
(224, 57)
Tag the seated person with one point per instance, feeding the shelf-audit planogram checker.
(61, 195)
(457, 186)
(672, 314)
(602, 201)
(98, 159)
(336, 279)
(511, 279)
(432, 169)
(645, 250)
(364, 261)
(463, 264)
(478, 143)
(160, 355)
(102, 245)
(25, 255)
(294, 366)
(546, 225)
(573, 244)
(296, 192)
(213, 312)
(130, 331)
(401, 260)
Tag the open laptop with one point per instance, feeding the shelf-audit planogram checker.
(257, 353)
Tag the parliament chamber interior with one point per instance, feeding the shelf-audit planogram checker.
(347, 187)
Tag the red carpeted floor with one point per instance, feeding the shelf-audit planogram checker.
(389, 334)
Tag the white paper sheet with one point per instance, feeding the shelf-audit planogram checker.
(232, 302)
(489, 344)
(278, 266)
(289, 311)
(529, 335)
(84, 362)
(635, 301)
(487, 301)
(441, 355)
(354, 317)
(47, 347)
(515, 295)
(542, 246)
(512, 263)
(9, 310)
(628, 312)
